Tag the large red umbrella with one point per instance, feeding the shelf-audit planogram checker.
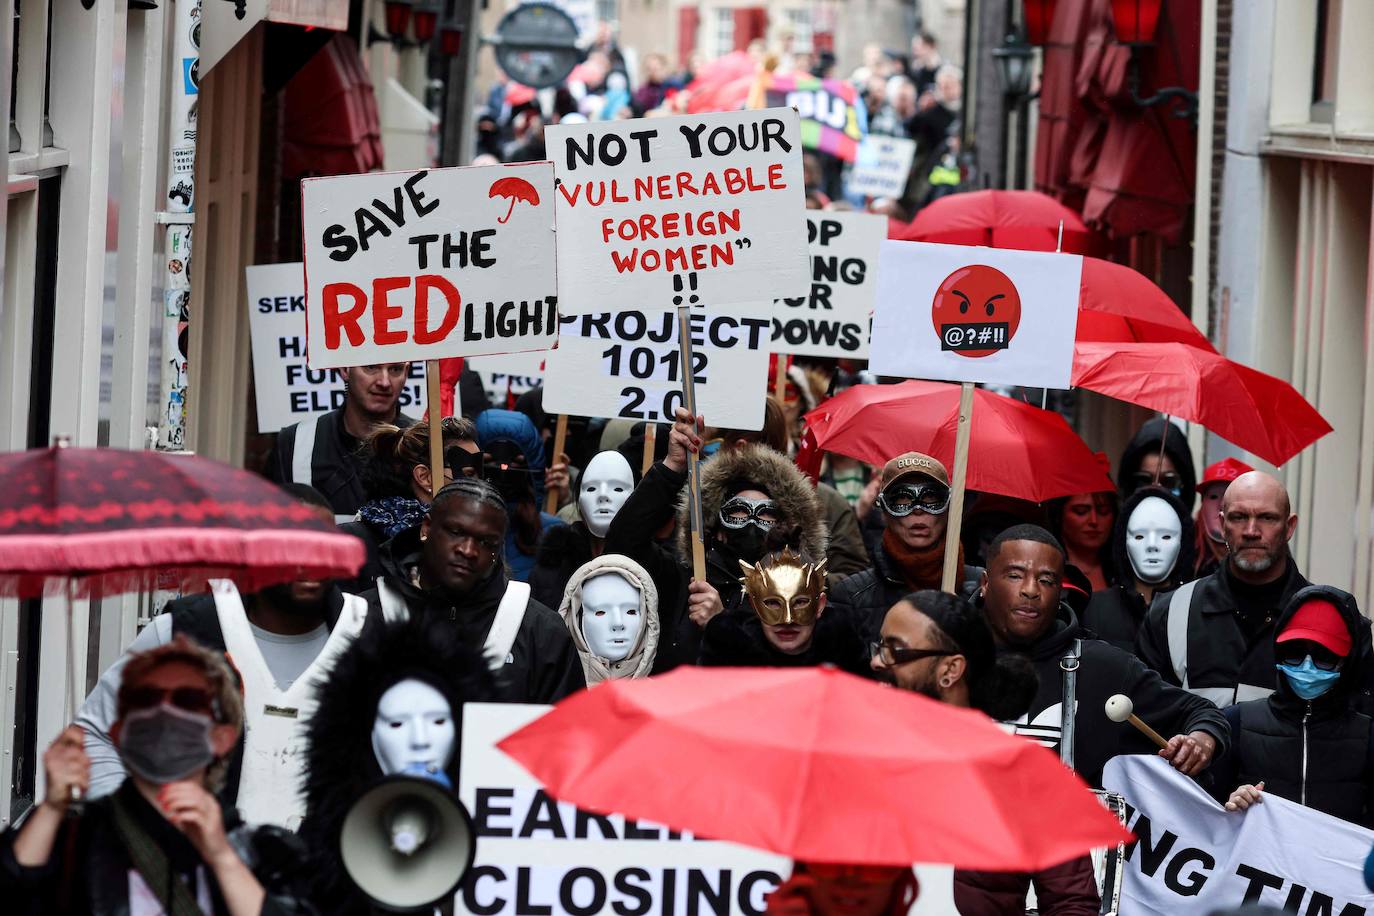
(815, 764)
(1118, 303)
(99, 521)
(1258, 412)
(1015, 449)
(1026, 220)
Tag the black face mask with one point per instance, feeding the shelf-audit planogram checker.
(749, 543)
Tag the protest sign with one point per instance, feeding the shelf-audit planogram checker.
(626, 364)
(660, 212)
(832, 120)
(535, 855)
(833, 320)
(882, 167)
(429, 264)
(1194, 856)
(966, 314)
(509, 375)
(287, 390)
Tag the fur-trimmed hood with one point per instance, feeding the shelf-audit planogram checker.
(771, 472)
(640, 661)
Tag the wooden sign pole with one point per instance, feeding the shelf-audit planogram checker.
(780, 379)
(689, 401)
(560, 441)
(650, 433)
(436, 432)
(949, 582)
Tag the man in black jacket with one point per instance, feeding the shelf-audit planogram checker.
(1215, 636)
(1306, 742)
(1020, 594)
(452, 566)
(323, 451)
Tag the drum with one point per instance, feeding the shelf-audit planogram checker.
(1109, 863)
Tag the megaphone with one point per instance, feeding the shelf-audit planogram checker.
(407, 842)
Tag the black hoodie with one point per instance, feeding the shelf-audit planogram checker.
(1146, 442)
(1318, 753)
(1115, 613)
(1103, 672)
(737, 638)
(543, 665)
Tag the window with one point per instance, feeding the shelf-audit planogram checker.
(608, 11)
(1325, 59)
(723, 37)
(799, 23)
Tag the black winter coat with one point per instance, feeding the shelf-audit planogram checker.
(543, 666)
(88, 871)
(1227, 649)
(865, 598)
(335, 467)
(562, 549)
(1103, 672)
(736, 638)
(1318, 753)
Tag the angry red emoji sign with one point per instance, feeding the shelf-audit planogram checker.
(976, 311)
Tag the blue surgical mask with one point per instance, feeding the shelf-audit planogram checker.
(1307, 680)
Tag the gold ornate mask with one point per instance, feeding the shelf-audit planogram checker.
(783, 589)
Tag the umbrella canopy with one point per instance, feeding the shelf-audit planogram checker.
(1117, 303)
(815, 764)
(1014, 449)
(1026, 220)
(111, 520)
(1255, 411)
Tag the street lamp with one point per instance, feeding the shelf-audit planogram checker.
(1135, 22)
(451, 38)
(1015, 64)
(424, 21)
(398, 17)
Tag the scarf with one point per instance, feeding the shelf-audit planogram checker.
(919, 568)
(393, 514)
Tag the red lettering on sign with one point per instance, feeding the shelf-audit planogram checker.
(453, 307)
(343, 321)
(383, 312)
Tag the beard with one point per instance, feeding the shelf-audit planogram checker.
(1262, 563)
(283, 600)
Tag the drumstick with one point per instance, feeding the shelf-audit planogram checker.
(1121, 709)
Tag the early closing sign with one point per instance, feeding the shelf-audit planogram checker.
(429, 264)
(833, 319)
(660, 212)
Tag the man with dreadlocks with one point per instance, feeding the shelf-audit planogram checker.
(452, 567)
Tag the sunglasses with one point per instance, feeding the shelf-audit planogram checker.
(1169, 480)
(905, 498)
(191, 699)
(462, 462)
(890, 654)
(737, 512)
(1296, 653)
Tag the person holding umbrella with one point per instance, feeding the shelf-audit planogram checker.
(1020, 595)
(914, 497)
(940, 646)
(1146, 461)
(162, 840)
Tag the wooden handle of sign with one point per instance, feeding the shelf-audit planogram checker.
(650, 433)
(780, 379)
(948, 582)
(560, 439)
(689, 400)
(1147, 731)
(436, 433)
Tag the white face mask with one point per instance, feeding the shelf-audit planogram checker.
(606, 484)
(1154, 537)
(414, 729)
(612, 616)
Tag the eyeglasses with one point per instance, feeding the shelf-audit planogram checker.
(1298, 651)
(191, 699)
(738, 511)
(891, 654)
(905, 498)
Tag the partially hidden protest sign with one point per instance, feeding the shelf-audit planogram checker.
(627, 364)
(831, 119)
(833, 319)
(882, 167)
(661, 212)
(511, 374)
(287, 389)
(965, 314)
(429, 264)
(1194, 856)
(536, 855)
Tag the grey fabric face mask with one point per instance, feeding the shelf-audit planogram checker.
(163, 744)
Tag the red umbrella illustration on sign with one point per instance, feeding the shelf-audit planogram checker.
(517, 189)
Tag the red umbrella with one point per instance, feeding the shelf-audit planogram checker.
(517, 189)
(1257, 412)
(1027, 220)
(91, 522)
(1014, 449)
(815, 764)
(1117, 303)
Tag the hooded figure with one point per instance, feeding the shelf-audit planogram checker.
(341, 763)
(1138, 462)
(1306, 742)
(1115, 614)
(599, 491)
(583, 596)
(515, 465)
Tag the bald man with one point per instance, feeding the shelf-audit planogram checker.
(1215, 636)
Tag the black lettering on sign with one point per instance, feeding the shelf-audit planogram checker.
(725, 139)
(745, 896)
(567, 895)
(369, 224)
(699, 889)
(484, 809)
(471, 900)
(522, 896)
(1258, 881)
(543, 815)
(643, 899)
(583, 820)
(1191, 884)
(1152, 854)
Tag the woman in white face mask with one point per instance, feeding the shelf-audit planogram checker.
(1153, 549)
(601, 489)
(611, 609)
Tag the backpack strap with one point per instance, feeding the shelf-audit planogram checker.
(303, 452)
(510, 613)
(1180, 606)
